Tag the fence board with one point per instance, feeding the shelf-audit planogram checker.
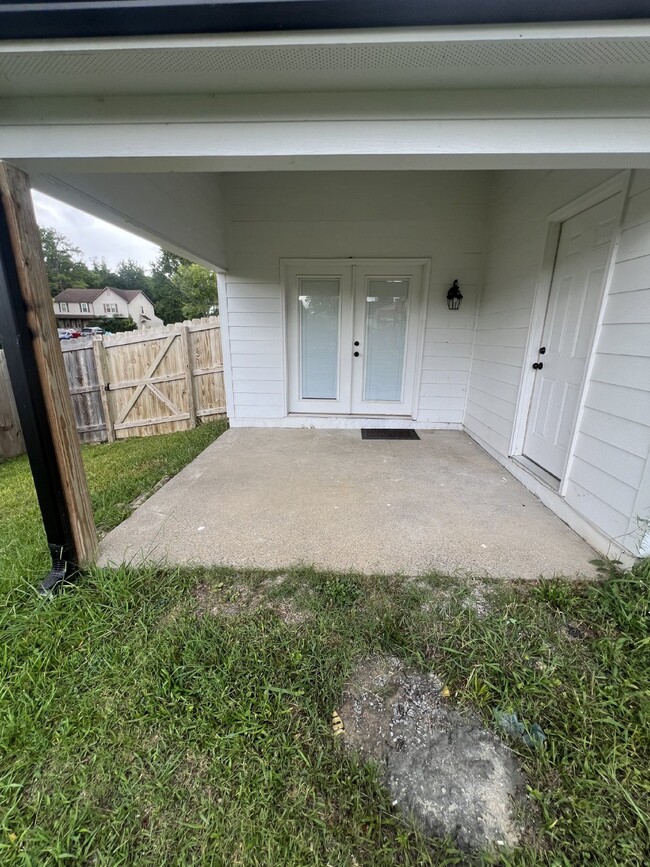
(11, 435)
(206, 361)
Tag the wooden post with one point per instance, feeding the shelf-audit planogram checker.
(99, 351)
(40, 385)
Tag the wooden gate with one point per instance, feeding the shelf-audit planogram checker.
(149, 382)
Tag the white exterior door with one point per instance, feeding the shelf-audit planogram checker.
(352, 330)
(569, 327)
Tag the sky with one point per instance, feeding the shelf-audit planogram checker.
(95, 238)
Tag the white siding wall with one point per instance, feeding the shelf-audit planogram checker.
(110, 297)
(276, 215)
(610, 467)
(142, 306)
(610, 476)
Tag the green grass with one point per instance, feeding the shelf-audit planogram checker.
(117, 474)
(134, 731)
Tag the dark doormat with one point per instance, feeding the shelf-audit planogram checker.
(388, 433)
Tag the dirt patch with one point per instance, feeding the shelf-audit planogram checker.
(475, 595)
(580, 632)
(457, 778)
(239, 598)
(478, 600)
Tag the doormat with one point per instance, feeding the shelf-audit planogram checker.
(388, 433)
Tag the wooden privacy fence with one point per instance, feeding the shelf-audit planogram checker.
(11, 436)
(135, 383)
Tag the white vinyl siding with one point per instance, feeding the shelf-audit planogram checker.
(610, 479)
(441, 216)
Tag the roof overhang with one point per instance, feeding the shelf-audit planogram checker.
(35, 19)
(599, 54)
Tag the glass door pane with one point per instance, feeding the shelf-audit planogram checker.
(320, 311)
(386, 319)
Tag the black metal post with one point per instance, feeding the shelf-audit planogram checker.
(17, 343)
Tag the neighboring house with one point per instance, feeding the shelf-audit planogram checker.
(340, 165)
(74, 307)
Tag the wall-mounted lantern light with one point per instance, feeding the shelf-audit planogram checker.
(454, 296)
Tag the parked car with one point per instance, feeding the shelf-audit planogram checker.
(92, 331)
(74, 332)
(64, 334)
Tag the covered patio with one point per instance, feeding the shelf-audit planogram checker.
(341, 184)
(273, 499)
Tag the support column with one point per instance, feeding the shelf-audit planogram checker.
(36, 369)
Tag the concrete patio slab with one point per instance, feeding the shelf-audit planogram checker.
(274, 498)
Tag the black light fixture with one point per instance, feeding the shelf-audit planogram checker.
(454, 296)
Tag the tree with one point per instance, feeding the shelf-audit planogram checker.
(63, 262)
(166, 298)
(198, 288)
(130, 275)
(166, 265)
(101, 275)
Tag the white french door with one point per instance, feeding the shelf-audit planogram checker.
(569, 328)
(353, 331)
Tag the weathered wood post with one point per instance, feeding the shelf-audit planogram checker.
(39, 382)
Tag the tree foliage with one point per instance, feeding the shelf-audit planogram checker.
(166, 298)
(63, 262)
(198, 288)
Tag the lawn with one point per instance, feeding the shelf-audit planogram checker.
(147, 718)
(117, 474)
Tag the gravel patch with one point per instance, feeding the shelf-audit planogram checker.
(455, 777)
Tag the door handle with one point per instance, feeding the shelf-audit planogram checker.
(538, 365)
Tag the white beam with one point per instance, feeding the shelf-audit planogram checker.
(433, 104)
(466, 143)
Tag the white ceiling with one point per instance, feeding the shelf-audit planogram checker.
(598, 57)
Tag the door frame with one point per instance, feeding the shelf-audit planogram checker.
(618, 183)
(311, 266)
